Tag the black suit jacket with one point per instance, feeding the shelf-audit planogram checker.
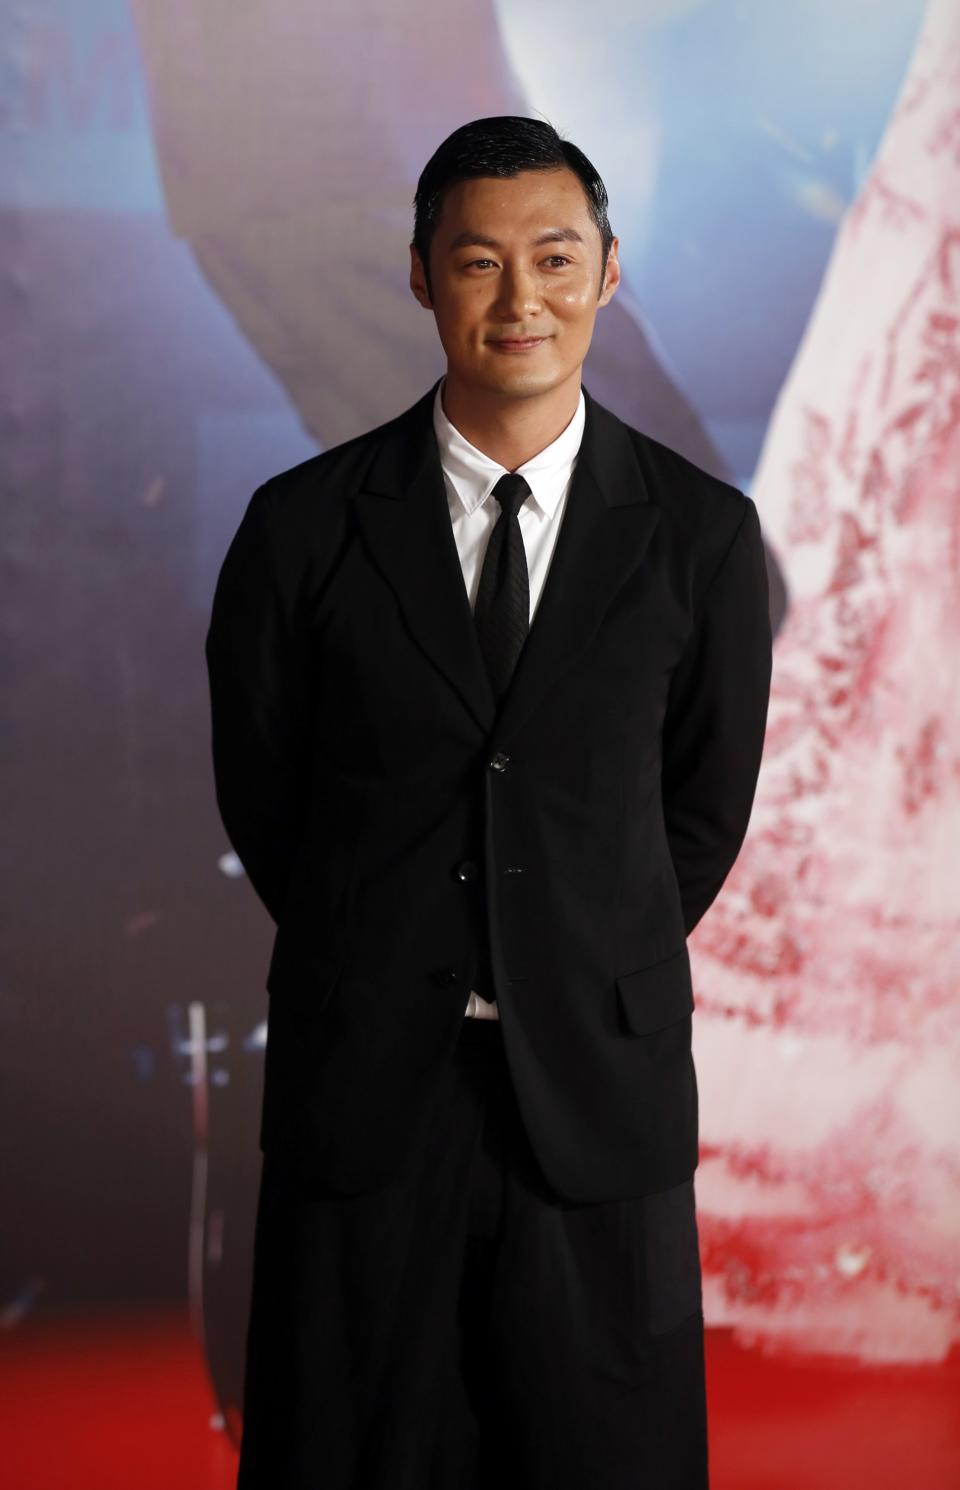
(411, 841)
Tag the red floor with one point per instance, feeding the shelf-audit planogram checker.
(104, 1402)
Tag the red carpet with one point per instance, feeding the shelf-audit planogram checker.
(110, 1402)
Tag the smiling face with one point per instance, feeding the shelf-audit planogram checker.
(515, 271)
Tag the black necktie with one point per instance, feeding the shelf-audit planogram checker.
(502, 610)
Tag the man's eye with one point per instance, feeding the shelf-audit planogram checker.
(557, 260)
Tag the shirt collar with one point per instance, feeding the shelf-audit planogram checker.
(473, 475)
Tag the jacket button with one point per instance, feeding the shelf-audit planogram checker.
(500, 761)
(467, 870)
(447, 977)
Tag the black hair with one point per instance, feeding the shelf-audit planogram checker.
(502, 145)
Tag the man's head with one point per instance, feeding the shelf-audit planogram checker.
(512, 245)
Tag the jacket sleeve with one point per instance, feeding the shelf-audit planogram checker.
(259, 705)
(715, 722)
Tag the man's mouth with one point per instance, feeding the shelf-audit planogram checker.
(517, 343)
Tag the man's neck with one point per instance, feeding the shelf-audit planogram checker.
(511, 431)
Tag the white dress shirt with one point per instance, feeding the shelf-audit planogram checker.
(469, 477)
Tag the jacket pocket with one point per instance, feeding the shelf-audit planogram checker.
(658, 994)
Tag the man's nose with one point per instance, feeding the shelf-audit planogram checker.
(518, 295)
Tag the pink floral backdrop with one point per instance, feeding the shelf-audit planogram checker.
(828, 973)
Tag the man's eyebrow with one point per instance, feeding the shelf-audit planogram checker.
(470, 239)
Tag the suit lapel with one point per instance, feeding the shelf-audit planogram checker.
(606, 527)
(405, 520)
(604, 533)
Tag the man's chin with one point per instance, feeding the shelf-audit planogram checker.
(519, 382)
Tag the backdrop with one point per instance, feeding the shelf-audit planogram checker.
(204, 217)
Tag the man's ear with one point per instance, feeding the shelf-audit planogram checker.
(611, 274)
(418, 280)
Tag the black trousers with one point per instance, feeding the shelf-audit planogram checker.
(464, 1328)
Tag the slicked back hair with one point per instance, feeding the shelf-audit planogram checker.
(503, 145)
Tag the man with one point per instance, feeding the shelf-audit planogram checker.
(489, 688)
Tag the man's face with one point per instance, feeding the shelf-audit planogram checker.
(515, 274)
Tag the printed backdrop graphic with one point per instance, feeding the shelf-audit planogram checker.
(828, 974)
(205, 211)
